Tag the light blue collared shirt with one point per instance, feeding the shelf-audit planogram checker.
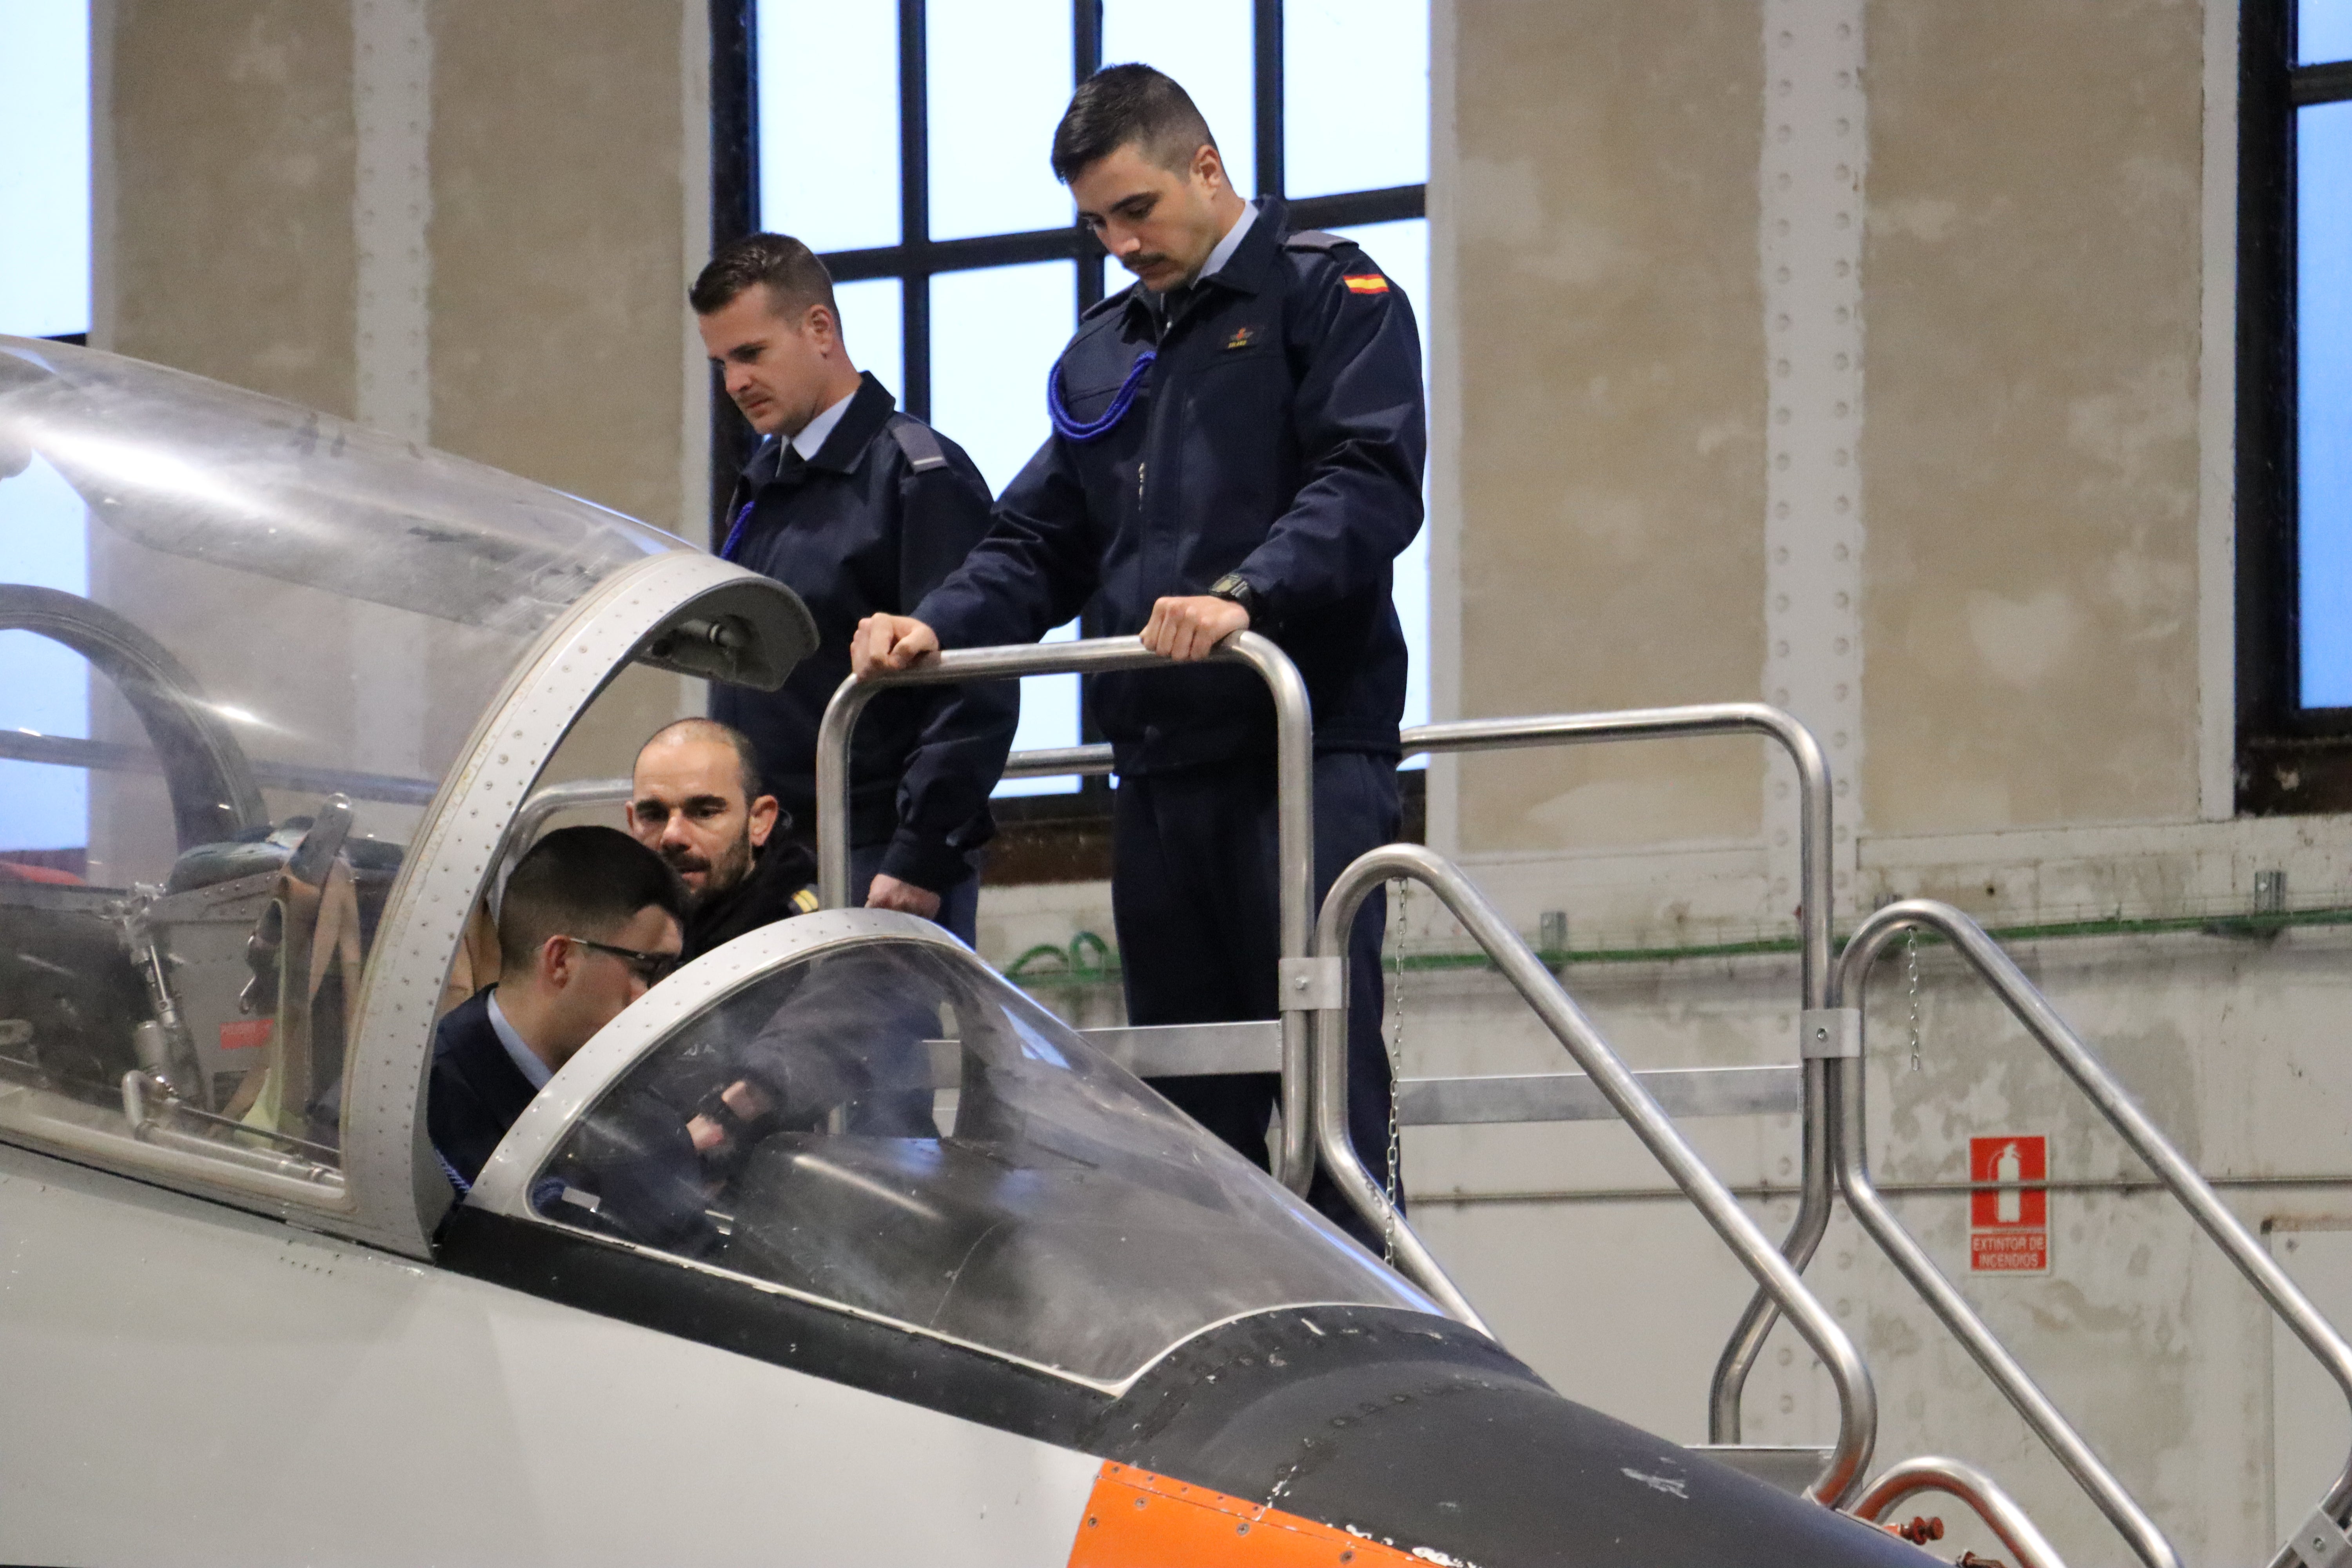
(1227, 245)
(813, 433)
(1231, 243)
(529, 1066)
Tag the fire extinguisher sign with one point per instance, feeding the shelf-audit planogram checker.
(2009, 1221)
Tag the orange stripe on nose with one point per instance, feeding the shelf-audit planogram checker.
(1138, 1519)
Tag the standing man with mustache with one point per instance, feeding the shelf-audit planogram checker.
(1237, 443)
(861, 510)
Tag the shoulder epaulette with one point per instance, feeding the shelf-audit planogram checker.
(919, 442)
(1108, 303)
(1315, 239)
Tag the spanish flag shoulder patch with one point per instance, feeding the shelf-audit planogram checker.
(1366, 283)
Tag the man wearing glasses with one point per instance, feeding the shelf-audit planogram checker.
(590, 920)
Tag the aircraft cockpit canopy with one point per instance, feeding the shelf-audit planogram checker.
(852, 1110)
(252, 657)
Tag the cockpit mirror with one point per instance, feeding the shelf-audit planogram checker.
(738, 634)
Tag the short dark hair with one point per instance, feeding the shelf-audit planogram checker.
(581, 881)
(1121, 106)
(747, 757)
(795, 277)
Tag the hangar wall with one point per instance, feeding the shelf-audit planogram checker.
(2036, 725)
(2002, 584)
(469, 226)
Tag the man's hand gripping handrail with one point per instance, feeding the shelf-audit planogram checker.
(1293, 797)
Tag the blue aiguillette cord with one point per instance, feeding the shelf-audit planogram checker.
(1074, 430)
(735, 534)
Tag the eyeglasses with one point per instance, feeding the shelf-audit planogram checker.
(652, 968)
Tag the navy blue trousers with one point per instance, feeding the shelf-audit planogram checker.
(1193, 893)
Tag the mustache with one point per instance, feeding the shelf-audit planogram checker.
(685, 861)
(1142, 264)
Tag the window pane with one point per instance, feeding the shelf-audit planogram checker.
(1402, 251)
(873, 329)
(1049, 717)
(994, 335)
(1355, 94)
(44, 685)
(1000, 78)
(1211, 53)
(44, 168)
(2324, 29)
(828, 76)
(2324, 398)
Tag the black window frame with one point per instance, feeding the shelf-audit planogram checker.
(1046, 838)
(2290, 758)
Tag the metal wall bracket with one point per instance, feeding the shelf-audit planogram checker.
(1829, 1032)
(2321, 1543)
(1313, 985)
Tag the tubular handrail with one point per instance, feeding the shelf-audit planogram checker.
(1816, 901)
(1842, 1475)
(1932, 1473)
(1816, 898)
(1816, 906)
(1294, 803)
(2030, 1008)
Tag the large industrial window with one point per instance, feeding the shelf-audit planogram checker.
(45, 149)
(906, 142)
(2320, 84)
(2294, 407)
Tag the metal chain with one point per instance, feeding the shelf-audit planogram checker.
(1911, 964)
(1394, 1040)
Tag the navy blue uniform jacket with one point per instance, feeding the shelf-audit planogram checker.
(856, 530)
(1280, 434)
(476, 1091)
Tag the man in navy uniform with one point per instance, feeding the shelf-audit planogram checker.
(859, 510)
(697, 799)
(588, 919)
(1238, 442)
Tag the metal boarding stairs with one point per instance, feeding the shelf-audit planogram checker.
(1307, 1045)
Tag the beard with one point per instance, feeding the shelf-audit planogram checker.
(734, 864)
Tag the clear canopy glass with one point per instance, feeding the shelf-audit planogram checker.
(274, 634)
(890, 1127)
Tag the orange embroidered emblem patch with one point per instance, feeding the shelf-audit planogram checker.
(1242, 337)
